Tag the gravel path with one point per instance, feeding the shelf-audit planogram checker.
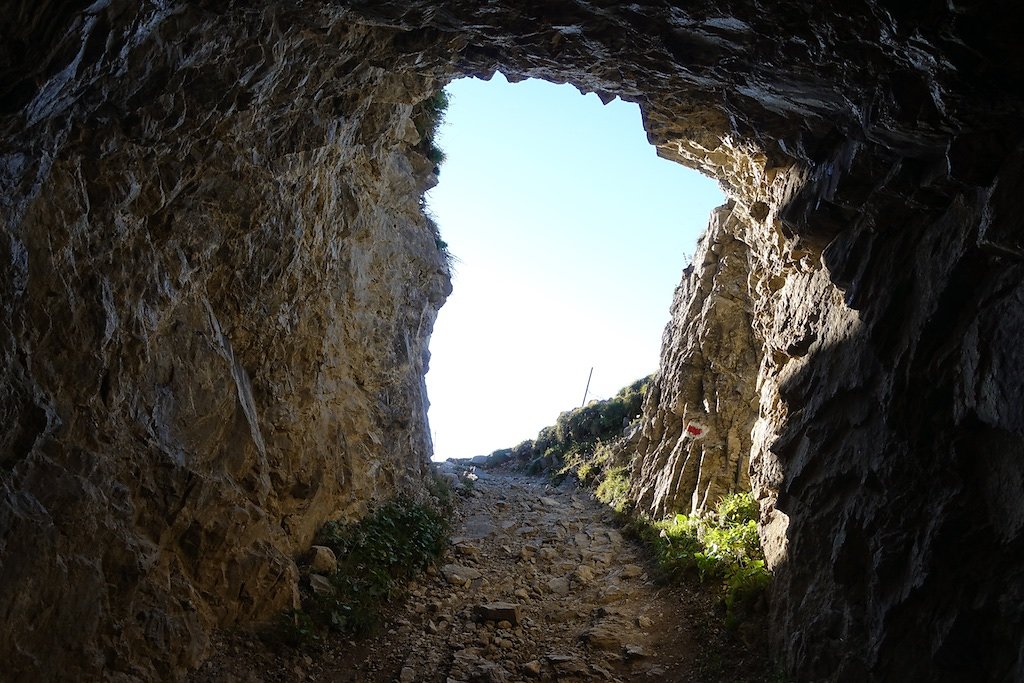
(539, 585)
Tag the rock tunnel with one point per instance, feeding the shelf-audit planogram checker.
(218, 287)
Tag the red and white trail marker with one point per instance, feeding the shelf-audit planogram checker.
(696, 430)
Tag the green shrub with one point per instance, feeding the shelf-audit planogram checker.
(376, 558)
(435, 154)
(737, 507)
(442, 493)
(722, 546)
(580, 434)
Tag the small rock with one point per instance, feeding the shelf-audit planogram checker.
(323, 561)
(532, 668)
(408, 675)
(458, 574)
(630, 571)
(635, 652)
(559, 585)
(499, 611)
(321, 585)
(567, 665)
(644, 622)
(583, 574)
(467, 550)
(550, 502)
(559, 615)
(602, 638)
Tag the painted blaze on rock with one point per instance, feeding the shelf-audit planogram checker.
(696, 430)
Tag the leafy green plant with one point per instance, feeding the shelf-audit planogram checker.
(442, 494)
(736, 508)
(435, 230)
(376, 558)
(721, 546)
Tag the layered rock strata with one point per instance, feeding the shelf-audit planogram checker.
(707, 382)
(217, 285)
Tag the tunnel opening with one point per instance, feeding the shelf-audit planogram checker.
(569, 237)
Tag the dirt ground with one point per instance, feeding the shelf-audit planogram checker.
(539, 585)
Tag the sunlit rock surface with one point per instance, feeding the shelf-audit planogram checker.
(218, 286)
(694, 446)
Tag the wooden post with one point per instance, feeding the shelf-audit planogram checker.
(587, 390)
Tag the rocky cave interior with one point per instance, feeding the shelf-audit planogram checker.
(218, 289)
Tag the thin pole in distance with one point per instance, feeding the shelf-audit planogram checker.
(587, 390)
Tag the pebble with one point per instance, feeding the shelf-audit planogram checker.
(631, 571)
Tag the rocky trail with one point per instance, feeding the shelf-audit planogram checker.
(538, 585)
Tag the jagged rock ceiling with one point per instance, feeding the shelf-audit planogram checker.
(218, 287)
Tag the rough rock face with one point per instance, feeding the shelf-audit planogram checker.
(217, 285)
(217, 293)
(707, 377)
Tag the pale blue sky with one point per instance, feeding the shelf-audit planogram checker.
(570, 236)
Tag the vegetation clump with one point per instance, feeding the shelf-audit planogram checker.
(721, 546)
(578, 443)
(428, 117)
(377, 556)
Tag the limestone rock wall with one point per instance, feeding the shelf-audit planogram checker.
(217, 292)
(217, 286)
(707, 378)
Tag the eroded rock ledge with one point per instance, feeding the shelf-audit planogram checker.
(218, 287)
